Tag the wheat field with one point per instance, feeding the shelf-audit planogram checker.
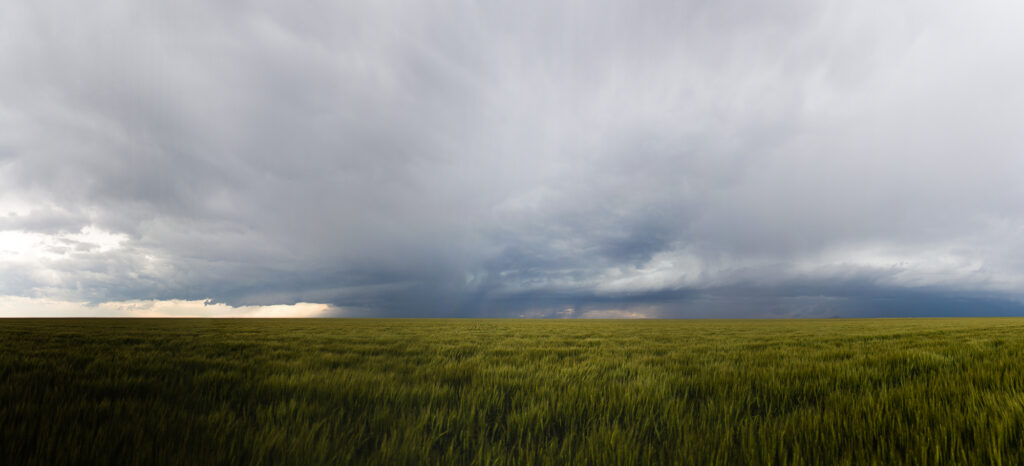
(468, 391)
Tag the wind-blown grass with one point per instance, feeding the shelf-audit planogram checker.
(106, 391)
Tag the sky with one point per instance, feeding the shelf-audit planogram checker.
(512, 159)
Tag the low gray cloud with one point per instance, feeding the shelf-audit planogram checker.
(670, 159)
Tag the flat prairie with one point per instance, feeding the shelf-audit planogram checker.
(475, 391)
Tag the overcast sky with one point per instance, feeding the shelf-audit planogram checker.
(541, 159)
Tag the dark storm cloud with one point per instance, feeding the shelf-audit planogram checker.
(460, 158)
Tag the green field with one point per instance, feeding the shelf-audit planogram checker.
(885, 391)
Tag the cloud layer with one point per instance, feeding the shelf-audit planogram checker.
(790, 158)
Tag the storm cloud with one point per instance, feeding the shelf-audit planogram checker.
(568, 159)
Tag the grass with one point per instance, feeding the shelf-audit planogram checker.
(254, 392)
